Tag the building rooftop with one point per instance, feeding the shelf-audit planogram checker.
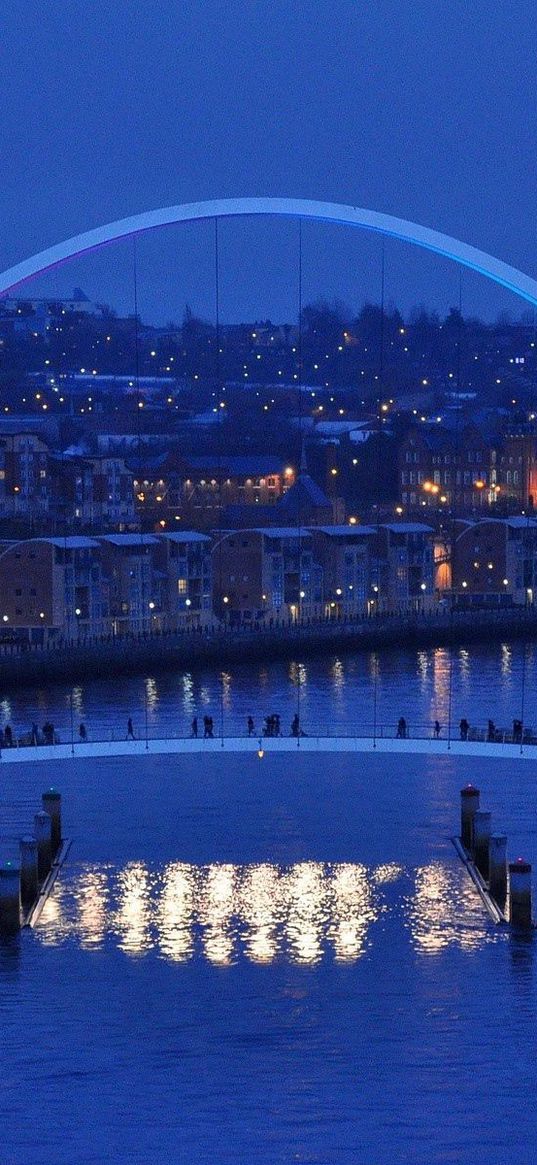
(345, 531)
(285, 531)
(129, 539)
(304, 494)
(184, 536)
(407, 527)
(254, 466)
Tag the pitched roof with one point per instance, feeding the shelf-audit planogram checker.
(304, 494)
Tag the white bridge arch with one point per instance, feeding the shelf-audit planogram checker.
(385, 224)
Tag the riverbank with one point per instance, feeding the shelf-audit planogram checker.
(98, 659)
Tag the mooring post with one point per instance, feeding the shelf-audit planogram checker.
(469, 806)
(480, 847)
(42, 834)
(28, 860)
(10, 898)
(52, 804)
(498, 867)
(520, 893)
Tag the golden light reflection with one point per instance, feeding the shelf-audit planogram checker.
(52, 923)
(174, 910)
(132, 917)
(298, 674)
(93, 908)
(441, 678)
(388, 873)
(260, 905)
(445, 910)
(217, 906)
(226, 690)
(151, 694)
(353, 911)
(262, 912)
(506, 659)
(187, 685)
(464, 665)
(423, 669)
(78, 700)
(338, 678)
(305, 892)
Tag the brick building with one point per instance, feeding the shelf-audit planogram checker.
(495, 561)
(266, 573)
(52, 588)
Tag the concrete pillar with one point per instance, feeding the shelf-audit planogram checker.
(10, 898)
(28, 858)
(469, 806)
(498, 868)
(520, 893)
(42, 834)
(52, 804)
(480, 848)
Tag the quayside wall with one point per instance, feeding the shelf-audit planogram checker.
(94, 658)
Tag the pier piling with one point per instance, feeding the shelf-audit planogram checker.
(28, 861)
(469, 806)
(43, 834)
(498, 868)
(481, 840)
(520, 893)
(10, 898)
(52, 804)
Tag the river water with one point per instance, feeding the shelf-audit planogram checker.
(272, 960)
(336, 694)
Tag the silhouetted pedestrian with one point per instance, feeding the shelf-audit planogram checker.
(401, 728)
(195, 726)
(34, 735)
(250, 725)
(48, 732)
(8, 736)
(437, 729)
(491, 731)
(464, 728)
(295, 725)
(130, 730)
(82, 734)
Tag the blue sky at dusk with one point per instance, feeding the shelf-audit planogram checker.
(424, 110)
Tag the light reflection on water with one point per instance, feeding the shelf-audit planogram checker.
(338, 694)
(224, 913)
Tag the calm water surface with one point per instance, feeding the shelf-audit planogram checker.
(269, 961)
(344, 694)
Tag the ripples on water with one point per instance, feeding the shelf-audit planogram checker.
(223, 913)
(337, 695)
(268, 962)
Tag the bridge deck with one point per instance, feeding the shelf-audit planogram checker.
(235, 744)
